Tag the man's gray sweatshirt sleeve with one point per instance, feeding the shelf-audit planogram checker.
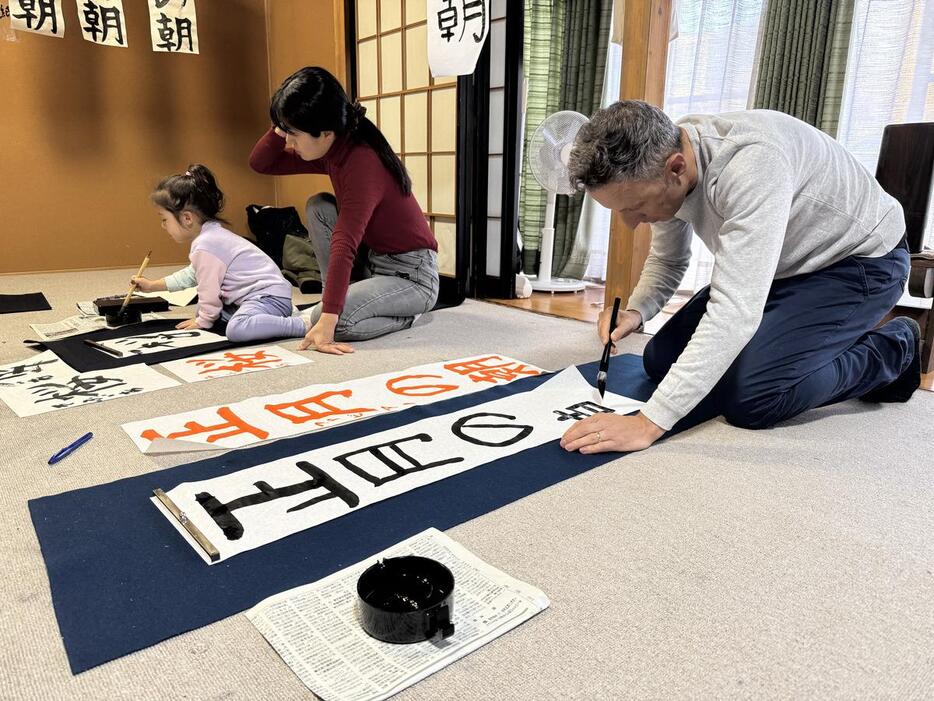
(668, 259)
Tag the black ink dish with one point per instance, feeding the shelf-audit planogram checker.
(406, 600)
(129, 315)
(110, 308)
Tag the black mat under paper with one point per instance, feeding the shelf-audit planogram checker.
(32, 302)
(122, 578)
(84, 358)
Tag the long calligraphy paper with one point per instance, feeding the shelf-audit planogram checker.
(146, 343)
(102, 22)
(40, 16)
(261, 504)
(239, 361)
(456, 32)
(173, 26)
(320, 406)
(83, 388)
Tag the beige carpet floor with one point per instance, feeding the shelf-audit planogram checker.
(796, 562)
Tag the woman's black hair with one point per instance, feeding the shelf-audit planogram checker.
(194, 190)
(312, 100)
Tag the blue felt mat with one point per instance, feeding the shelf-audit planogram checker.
(123, 579)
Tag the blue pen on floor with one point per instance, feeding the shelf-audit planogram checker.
(68, 450)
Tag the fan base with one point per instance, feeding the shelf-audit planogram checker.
(558, 284)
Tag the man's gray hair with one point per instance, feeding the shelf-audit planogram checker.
(629, 140)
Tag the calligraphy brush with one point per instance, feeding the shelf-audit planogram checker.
(605, 360)
(126, 300)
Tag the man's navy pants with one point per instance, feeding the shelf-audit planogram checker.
(817, 343)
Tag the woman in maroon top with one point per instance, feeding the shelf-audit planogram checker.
(318, 130)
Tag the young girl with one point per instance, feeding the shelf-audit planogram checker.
(237, 282)
(318, 130)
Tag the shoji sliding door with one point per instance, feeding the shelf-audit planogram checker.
(417, 114)
(459, 138)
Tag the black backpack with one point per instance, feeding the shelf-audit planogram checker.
(270, 226)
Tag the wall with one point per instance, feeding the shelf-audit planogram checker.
(87, 130)
(303, 33)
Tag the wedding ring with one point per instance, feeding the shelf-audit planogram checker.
(599, 437)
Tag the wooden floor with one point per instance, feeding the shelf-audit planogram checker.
(583, 306)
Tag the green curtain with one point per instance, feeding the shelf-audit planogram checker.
(587, 35)
(542, 56)
(802, 59)
(832, 89)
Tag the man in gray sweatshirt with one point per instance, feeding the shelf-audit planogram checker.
(809, 256)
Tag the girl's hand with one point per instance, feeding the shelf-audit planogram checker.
(320, 337)
(188, 324)
(145, 284)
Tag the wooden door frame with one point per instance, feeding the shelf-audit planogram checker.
(503, 284)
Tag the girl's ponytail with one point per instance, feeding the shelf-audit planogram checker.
(194, 190)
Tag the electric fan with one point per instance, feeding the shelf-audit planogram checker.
(549, 151)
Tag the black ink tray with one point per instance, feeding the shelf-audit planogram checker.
(109, 307)
(406, 599)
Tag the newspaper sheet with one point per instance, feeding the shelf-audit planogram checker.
(315, 628)
(73, 325)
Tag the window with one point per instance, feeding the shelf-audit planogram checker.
(891, 38)
(710, 66)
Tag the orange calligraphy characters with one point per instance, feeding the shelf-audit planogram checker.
(236, 425)
(395, 386)
(304, 411)
(492, 368)
(237, 362)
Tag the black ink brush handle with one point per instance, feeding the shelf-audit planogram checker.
(605, 361)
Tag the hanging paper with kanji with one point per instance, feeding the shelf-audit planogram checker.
(39, 16)
(102, 22)
(173, 26)
(457, 30)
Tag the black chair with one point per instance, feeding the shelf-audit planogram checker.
(905, 167)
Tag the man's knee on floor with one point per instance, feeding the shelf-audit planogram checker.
(750, 418)
(745, 409)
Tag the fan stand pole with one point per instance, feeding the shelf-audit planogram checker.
(544, 282)
(548, 242)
